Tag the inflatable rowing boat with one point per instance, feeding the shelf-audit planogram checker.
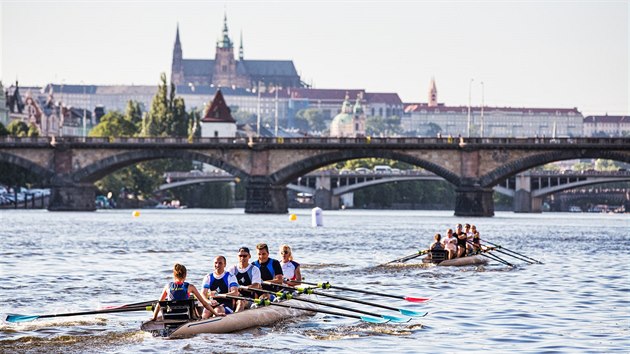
(262, 316)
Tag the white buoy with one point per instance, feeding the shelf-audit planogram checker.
(317, 217)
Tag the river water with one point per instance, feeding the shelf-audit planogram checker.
(577, 301)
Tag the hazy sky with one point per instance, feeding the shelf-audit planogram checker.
(528, 53)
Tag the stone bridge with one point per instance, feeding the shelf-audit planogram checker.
(70, 166)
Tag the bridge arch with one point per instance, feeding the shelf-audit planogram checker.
(45, 173)
(299, 168)
(104, 167)
(512, 168)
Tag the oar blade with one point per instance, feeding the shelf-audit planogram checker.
(20, 318)
(411, 313)
(396, 319)
(373, 320)
(417, 299)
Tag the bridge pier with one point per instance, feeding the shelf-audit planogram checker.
(263, 197)
(325, 199)
(474, 201)
(72, 197)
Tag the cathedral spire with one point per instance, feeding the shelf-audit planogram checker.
(433, 93)
(224, 41)
(177, 65)
(177, 42)
(240, 49)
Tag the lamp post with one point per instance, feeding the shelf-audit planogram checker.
(469, 94)
(84, 110)
(482, 94)
(276, 127)
(258, 111)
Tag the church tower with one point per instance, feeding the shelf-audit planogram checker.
(177, 67)
(241, 54)
(433, 102)
(224, 63)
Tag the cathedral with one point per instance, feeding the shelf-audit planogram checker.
(226, 71)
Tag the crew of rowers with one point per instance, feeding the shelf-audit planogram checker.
(255, 275)
(458, 243)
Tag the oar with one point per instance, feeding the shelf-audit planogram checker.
(514, 256)
(264, 302)
(327, 285)
(494, 257)
(407, 258)
(311, 291)
(288, 296)
(522, 255)
(26, 318)
(143, 303)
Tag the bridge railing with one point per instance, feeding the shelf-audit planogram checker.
(621, 141)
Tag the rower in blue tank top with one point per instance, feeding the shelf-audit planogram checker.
(220, 282)
(179, 289)
(270, 269)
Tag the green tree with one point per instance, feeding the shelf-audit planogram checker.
(114, 124)
(194, 129)
(133, 113)
(3, 130)
(314, 117)
(167, 115)
(17, 128)
(33, 130)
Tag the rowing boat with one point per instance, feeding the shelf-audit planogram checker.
(262, 316)
(459, 262)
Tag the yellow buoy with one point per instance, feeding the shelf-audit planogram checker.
(292, 217)
(135, 213)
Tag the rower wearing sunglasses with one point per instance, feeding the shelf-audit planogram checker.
(246, 275)
(290, 268)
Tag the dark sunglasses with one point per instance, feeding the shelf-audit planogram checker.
(243, 255)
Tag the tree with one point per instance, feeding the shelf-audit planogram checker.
(18, 128)
(33, 130)
(133, 113)
(3, 130)
(114, 124)
(167, 116)
(314, 117)
(194, 129)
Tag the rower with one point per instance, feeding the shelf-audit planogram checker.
(450, 244)
(179, 289)
(246, 275)
(461, 241)
(270, 269)
(219, 282)
(290, 268)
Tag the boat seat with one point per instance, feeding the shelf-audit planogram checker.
(438, 256)
(179, 310)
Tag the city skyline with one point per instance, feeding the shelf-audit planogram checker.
(527, 54)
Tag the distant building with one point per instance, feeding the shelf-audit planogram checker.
(350, 122)
(491, 121)
(4, 111)
(52, 118)
(227, 71)
(329, 101)
(217, 121)
(607, 125)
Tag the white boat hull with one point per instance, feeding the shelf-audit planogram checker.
(263, 316)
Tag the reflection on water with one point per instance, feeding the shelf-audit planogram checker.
(579, 300)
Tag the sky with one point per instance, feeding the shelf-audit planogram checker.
(543, 54)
